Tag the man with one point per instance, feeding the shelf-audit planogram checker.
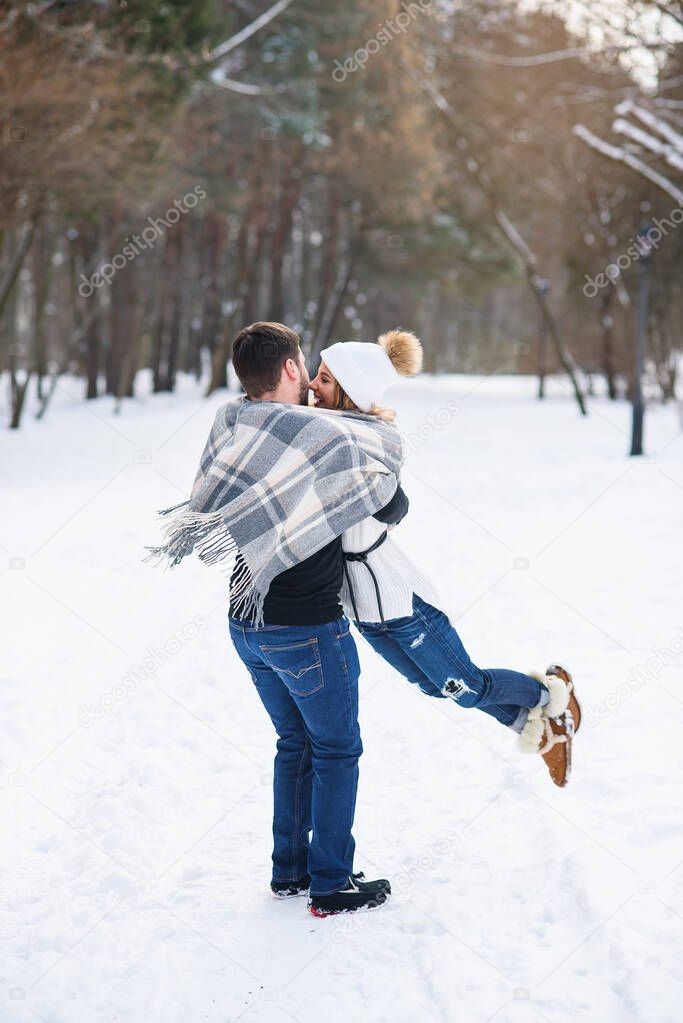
(305, 667)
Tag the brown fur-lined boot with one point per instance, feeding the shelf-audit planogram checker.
(550, 730)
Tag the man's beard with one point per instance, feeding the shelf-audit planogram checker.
(303, 392)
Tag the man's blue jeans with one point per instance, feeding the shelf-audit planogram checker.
(427, 650)
(307, 678)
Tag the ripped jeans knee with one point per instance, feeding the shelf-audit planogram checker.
(467, 693)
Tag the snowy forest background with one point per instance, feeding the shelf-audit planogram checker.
(478, 172)
(467, 171)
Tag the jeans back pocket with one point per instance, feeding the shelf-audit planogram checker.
(297, 664)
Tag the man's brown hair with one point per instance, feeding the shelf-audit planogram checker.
(258, 354)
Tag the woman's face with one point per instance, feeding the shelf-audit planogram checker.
(324, 388)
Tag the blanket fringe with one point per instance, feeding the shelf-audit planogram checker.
(173, 507)
(207, 534)
(189, 530)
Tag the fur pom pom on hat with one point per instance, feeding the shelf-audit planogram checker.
(366, 370)
(404, 351)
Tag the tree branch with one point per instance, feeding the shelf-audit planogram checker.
(511, 234)
(248, 31)
(649, 142)
(653, 122)
(244, 88)
(622, 156)
(552, 57)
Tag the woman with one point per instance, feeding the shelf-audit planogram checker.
(391, 604)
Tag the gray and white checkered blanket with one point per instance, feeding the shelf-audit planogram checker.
(276, 483)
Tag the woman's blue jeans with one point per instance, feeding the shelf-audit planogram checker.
(427, 650)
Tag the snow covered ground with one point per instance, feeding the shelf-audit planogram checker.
(136, 757)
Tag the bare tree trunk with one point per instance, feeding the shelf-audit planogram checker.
(19, 389)
(92, 332)
(128, 370)
(167, 327)
(537, 289)
(42, 275)
(249, 249)
(17, 260)
(510, 233)
(258, 225)
(214, 230)
(427, 318)
(664, 356)
(219, 363)
(47, 396)
(330, 250)
(18, 381)
(244, 269)
(607, 347)
(162, 326)
(288, 199)
(333, 302)
(176, 245)
(191, 335)
(122, 320)
(92, 350)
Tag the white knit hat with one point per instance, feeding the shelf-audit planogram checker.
(363, 369)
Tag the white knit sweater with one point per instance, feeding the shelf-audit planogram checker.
(397, 577)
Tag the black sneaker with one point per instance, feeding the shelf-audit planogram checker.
(359, 894)
(289, 889)
(371, 886)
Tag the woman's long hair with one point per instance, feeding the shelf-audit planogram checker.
(344, 403)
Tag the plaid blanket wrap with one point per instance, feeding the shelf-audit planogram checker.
(276, 483)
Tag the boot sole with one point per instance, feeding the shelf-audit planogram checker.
(322, 913)
(380, 897)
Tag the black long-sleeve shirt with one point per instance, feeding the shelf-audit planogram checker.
(308, 593)
(397, 509)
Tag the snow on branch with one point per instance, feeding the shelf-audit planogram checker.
(244, 88)
(515, 238)
(621, 155)
(538, 59)
(248, 31)
(653, 122)
(649, 142)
